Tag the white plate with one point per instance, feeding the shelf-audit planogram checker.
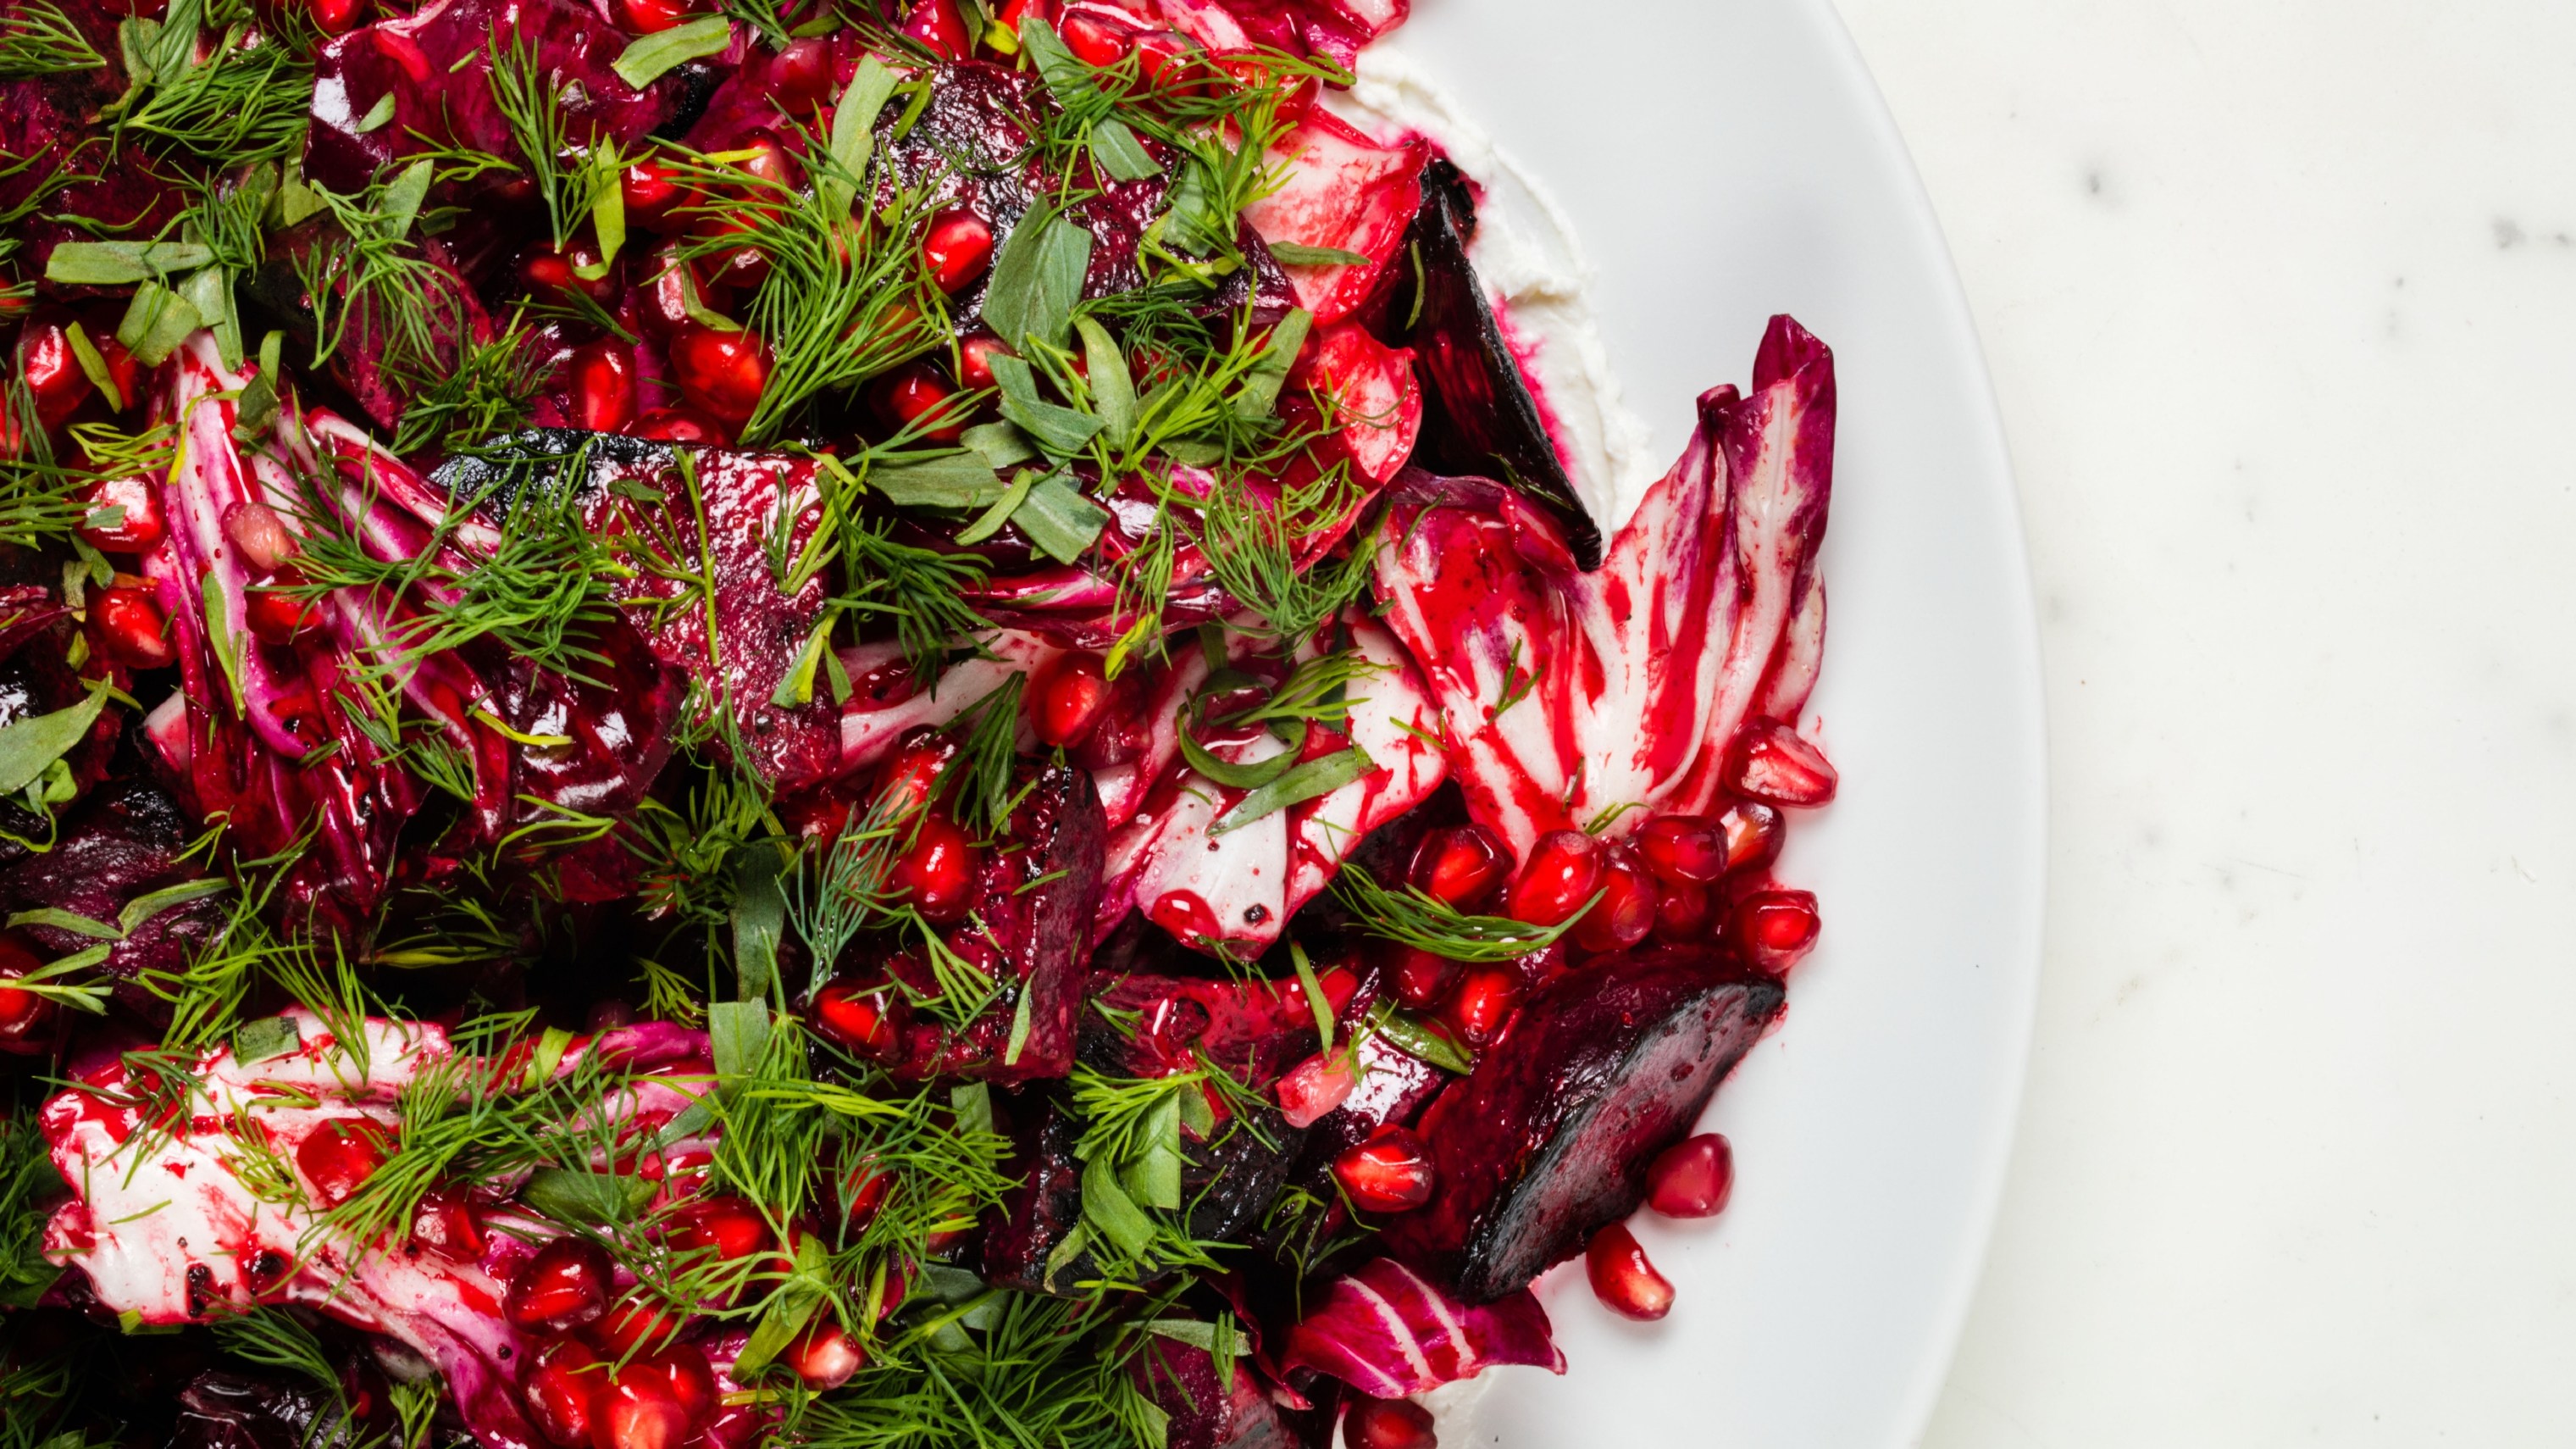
(1722, 160)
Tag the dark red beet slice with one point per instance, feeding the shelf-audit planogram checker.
(1226, 1188)
(1481, 419)
(122, 843)
(1550, 1138)
(1182, 1379)
(1254, 1029)
(1032, 904)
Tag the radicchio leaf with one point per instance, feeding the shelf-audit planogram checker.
(1566, 694)
(1388, 1333)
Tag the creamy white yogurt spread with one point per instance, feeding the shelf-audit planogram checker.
(1535, 275)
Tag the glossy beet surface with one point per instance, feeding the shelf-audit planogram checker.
(1550, 1138)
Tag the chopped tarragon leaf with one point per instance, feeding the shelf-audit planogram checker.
(1037, 279)
(650, 56)
(1298, 254)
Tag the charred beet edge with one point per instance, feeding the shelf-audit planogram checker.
(1227, 1183)
(1550, 1137)
(1033, 902)
(1482, 419)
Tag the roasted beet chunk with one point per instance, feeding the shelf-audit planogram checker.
(1227, 1183)
(1030, 915)
(1182, 1379)
(120, 846)
(221, 1410)
(1550, 1138)
(1038, 1215)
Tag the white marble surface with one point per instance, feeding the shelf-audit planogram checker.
(2281, 301)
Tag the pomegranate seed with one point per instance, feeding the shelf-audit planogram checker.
(683, 1369)
(1626, 911)
(681, 425)
(650, 192)
(720, 1230)
(1124, 731)
(975, 360)
(719, 372)
(800, 77)
(937, 874)
(863, 1195)
(939, 28)
(646, 17)
(1684, 914)
(637, 1411)
(1692, 1178)
(1775, 929)
(915, 394)
(1067, 697)
(52, 371)
(341, 1155)
(1096, 41)
(662, 303)
(1622, 1279)
(549, 272)
(957, 248)
(603, 386)
(1775, 764)
(563, 1287)
(278, 618)
(1484, 1003)
(1423, 980)
(1461, 866)
(1754, 834)
(122, 368)
(26, 1019)
(631, 1323)
(559, 1391)
(824, 1356)
(127, 627)
(139, 522)
(1316, 1086)
(1251, 72)
(1563, 871)
(444, 1223)
(260, 532)
(336, 17)
(865, 1021)
(1167, 60)
(911, 774)
(1388, 1424)
(1684, 849)
(1389, 1173)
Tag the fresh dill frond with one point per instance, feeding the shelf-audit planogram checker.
(848, 294)
(1428, 923)
(28, 1184)
(1251, 547)
(249, 100)
(488, 391)
(363, 269)
(841, 887)
(37, 38)
(1001, 1369)
(567, 172)
(978, 781)
(921, 592)
(541, 591)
